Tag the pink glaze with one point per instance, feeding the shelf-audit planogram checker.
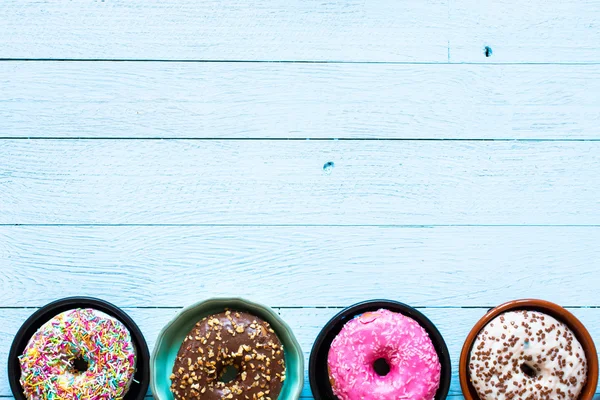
(414, 364)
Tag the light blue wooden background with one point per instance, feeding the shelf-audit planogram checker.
(154, 153)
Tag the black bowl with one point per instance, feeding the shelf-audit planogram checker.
(317, 366)
(138, 388)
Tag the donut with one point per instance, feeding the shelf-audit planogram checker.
(527, 355)
(229, 355)
(413, 369)
(78, 354)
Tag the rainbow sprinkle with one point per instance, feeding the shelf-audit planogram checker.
(47, 370)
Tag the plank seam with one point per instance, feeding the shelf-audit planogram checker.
(319, 139)
(418, 226)
(233, 61)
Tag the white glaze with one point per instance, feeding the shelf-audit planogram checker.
(536, 340)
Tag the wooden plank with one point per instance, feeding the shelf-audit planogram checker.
(299, 266)
(346, 30)
(291, 182)
(264, 100)
(537, 31)
(454, 324)
(384, 31)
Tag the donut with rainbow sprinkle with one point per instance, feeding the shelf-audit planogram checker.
(81, 354)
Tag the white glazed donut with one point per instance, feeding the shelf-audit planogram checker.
(527, 355)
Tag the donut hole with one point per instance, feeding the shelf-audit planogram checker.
(381, 367)
(528, 370)
(80, 364)
(228, 373)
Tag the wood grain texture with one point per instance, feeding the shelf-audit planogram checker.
(233, 100)
(454, 325)
(436, 224)
(382, 31)
(534, 31)
(285, 182)
(348, 30)
(300, 266)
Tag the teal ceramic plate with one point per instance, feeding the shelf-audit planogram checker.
(172, 335)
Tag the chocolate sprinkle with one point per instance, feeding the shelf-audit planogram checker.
(527, 355)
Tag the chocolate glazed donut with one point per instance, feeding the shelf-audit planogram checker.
(223, 341)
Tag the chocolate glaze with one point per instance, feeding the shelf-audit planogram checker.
(234, 338)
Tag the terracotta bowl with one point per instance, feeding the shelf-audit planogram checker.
(554, 310)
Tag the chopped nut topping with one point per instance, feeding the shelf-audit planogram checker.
(207, 355)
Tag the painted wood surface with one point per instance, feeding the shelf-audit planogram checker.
(267, 100)
(349, 30)
(500, 201)
(292, 182)
(329, 266)
(306, 323)
(536, 31)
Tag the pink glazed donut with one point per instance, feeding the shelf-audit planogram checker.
(414, 366)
